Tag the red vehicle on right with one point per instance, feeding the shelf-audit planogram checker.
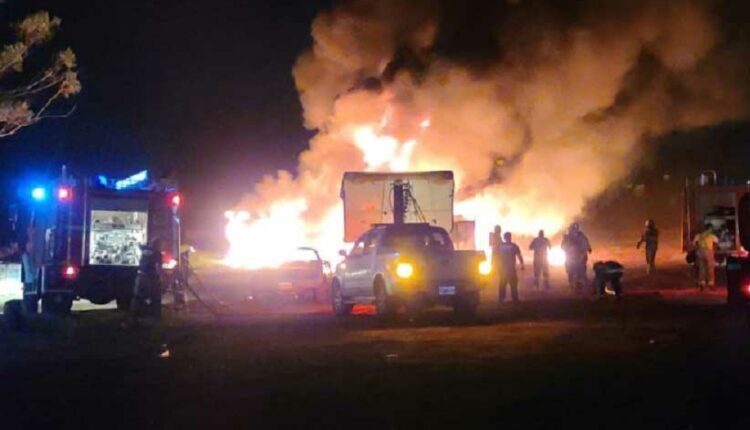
(726, 207)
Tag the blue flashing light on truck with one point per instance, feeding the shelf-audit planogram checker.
(85, 237)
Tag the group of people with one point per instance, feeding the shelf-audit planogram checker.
(505, 253)
(704, 244)
(577, 247)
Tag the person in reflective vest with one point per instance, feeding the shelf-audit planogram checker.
(705, 242)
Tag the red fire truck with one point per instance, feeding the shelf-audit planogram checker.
(726, 207)
(85, 237)
(706, 201)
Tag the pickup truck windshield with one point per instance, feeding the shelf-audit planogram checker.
(423, 238)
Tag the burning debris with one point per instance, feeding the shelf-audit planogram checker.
(563, 95)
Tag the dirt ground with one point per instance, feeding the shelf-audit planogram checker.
(665, 356)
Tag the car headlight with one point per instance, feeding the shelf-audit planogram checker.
(485, 268)
(404, 270)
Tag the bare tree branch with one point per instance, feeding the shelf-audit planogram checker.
(28, 103)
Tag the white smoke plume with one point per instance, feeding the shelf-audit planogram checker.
(537, 106)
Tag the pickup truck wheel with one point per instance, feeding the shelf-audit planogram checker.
(384, 306)
(340, 307)
(123, 302)
(31, 304)
(466, 305)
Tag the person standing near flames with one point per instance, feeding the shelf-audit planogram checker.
(577, 249)
(650, 237)
(705, 242)
(541, 246)
(507, 253)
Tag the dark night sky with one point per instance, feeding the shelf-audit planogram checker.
(204, 87)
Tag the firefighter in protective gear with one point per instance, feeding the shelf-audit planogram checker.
(607, 272)
(650, 237)
(705, 243)
(541, 246)
(577, 249)
(148, 288)
(507, 253)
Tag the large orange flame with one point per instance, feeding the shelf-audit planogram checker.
(266, 239)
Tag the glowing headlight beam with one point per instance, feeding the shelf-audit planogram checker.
(485, 268)
(404, 270)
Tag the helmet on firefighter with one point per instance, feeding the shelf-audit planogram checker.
(650, 223)
(575, 227)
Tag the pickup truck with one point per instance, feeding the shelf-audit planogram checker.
(413, 265)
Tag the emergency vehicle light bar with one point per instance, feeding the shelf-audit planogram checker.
(175, 200)
(64, 193)
(39, 194)
(138, 180)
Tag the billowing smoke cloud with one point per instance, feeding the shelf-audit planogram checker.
(537, 106)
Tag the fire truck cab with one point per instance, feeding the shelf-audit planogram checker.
(85, 237)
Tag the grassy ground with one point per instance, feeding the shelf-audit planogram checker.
(663, 357)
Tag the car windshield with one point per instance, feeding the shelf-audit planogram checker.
(411, 238)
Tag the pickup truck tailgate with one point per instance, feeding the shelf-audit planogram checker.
(457, 267)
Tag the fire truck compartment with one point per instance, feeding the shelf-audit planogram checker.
(116, 229)
(116, 236)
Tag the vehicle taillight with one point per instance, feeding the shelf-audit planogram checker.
(175, 200)
(64, 193)
(69, 271)
(167, 261)
(746, 290)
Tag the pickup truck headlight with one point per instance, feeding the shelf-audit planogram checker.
(485, 268)
(404, 270)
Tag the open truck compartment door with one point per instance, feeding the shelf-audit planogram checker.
(368, 199)
(117, 229)
(720, 206)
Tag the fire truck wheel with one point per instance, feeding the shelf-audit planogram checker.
(31, 304)
(13, 315)
(56, 304)
(123, 302)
